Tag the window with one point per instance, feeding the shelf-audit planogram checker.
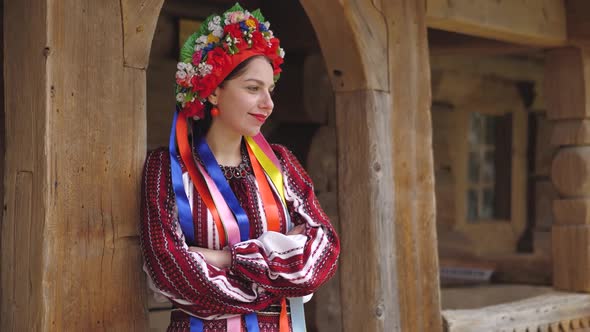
(489, 167)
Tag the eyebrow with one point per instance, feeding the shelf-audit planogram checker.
(259, 82)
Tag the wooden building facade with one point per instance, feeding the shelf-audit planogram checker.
(77, 119)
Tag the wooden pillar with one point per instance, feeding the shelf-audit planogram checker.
(567, 77)
(380, 73)
(75, 114)
(568, 100)
(413, 170)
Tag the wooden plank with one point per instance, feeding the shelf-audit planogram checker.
(22, 299)
(571, 258)
(570, 171)
(139, 23)
(567, 77)
(355, 60)
(571, 132)
(573, 211)
(95, 148)
(525, 315)
(412, 162)
(537, 23)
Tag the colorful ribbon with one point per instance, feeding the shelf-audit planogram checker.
(230, 218)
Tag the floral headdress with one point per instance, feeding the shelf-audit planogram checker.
(220, 45)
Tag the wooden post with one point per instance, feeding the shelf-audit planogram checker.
(568, 99)
(412, 166)
(381, 76)
(76, 145)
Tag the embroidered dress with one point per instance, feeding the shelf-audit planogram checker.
(263, 271)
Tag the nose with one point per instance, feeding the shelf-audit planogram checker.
(266, 102)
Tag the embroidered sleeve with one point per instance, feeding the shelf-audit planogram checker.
(181, 275)
(291, 265)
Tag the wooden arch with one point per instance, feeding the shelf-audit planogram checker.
(76, 101)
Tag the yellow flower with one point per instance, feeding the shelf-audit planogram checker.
(250, 23)
(212, 39)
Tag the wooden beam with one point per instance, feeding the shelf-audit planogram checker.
(355, 59)
(551, 312)
(71, 258)
(536, 23)
(139, 23)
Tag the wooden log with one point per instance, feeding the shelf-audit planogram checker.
(532, 314)
(139, 23)
(545, 194)
(567, 73)
(571, 132)
(570, 171)
(538, 23)
(574, 211)
(544, 150)
(355, 60)
(571, 258)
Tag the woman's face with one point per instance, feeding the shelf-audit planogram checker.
(245, 102)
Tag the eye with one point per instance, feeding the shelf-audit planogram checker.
(253, 88)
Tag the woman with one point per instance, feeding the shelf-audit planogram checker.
(232, 232)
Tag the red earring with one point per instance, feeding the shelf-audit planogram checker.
(214, 111)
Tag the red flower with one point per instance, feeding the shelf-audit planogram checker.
(204, 86)
(258, 41)
(233, 30)
(218, 59)
(194, 108)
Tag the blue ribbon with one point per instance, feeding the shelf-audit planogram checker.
(184, 209)
(214, 171)
(212, 167)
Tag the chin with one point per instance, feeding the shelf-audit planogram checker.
(251, 131)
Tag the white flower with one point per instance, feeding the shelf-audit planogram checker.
(246, 15)
(202, 40)
(180, 66)
(204, 69)
(267, 24)
(180, 97)
(218, 32)
(217, 20)
(281, 52)
(181, 74)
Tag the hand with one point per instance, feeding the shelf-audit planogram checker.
(299, 229)
(217, 258)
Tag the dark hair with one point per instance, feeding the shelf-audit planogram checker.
(201, 127)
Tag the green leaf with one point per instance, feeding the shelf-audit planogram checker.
(187, 50)
(235, 8)
(258, 15)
